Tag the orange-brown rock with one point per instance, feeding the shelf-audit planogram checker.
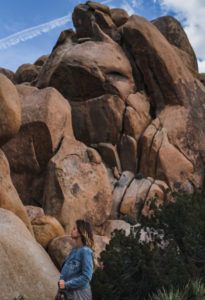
(85, 14)
(76, 186)
(8, 73)
(119, 16)
(90, 69)
(10, 110)
(119, 191)
(175, 169)
(26, 268)
(9, 198)
(157, 191)
(59, 248)
(164, 74)
(111, 225)
(41, 60)
(34, 212)
(100, 244)
(137, 115)
(27, 73)
(46, 117)
(127, 148)
(201, 77)
(109, 155)
(98, 119)
(135, 196)
(174, 33)
(46, 228)
(164, 160)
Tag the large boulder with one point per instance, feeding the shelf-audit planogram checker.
(77, 186)
(163, 160)
(81, 71)
(10, 110)
(59, 248)
(98, 120)
(41, 60)
(176, 103)
(175, 34)
(34, 212)
(46, 228)
(119, 16)
(111, 225)
(27, 73)
(9, 198)
(26, 268)
(84, 14)
(46, 117)
(8, 73)
(135, 197)
(119, 191)
(164, 74)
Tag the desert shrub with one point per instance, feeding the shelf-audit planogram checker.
(174, 255)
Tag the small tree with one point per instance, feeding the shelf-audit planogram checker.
(174, 255)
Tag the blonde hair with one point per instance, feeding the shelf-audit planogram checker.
(85, 231)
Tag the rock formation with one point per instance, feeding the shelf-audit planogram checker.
(114, 116)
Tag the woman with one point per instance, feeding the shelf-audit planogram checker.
(77, 270)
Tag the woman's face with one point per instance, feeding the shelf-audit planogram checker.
(74, 232)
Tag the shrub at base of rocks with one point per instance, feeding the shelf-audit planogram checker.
(133, 269)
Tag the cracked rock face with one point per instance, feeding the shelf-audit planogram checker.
(77, 186)
(127, 119)
(46, 118)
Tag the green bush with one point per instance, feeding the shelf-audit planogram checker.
(19, 298)
(192, 291)
(176, 253)
(166, 295)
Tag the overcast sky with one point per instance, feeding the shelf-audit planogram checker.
(29, 29)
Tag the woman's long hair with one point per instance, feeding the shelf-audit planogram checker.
(86, 234)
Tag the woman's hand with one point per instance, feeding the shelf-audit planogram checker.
(61, 284)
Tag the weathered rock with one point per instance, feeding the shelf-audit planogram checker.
(111, 225)
(109, 155)
(164, 74)
(34, 212)
(112, 178)
(85, 14)
(119, 16)
(41, 60)
(27, 73)
(150, 144)
(45, 229)
(128, 153)
(98, 120)
(119, 191)
(10, 110)
(9, 198)
(100, 244)
(201, 77)
(99, 6)
(137, 115)
(175, 34)
(8, 73)
(89, 69)
(155, 191)
(135, 196)
(164, 160)
(59, 248)
(175, 169)
(46, 117)
(26, 268)
(76, 187)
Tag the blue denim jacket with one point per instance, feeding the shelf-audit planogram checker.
(78, 268)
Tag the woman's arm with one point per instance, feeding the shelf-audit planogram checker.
(87, 270)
